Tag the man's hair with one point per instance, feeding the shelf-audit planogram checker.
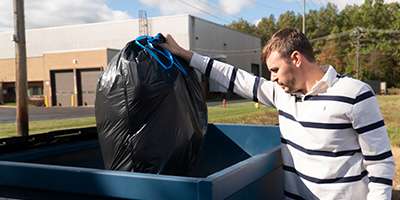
(286, 41)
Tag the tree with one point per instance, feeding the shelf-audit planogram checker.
(242, 25)
(266, 28)
(290, 20)
(380, 54)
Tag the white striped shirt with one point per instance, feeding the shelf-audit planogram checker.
(334, 141)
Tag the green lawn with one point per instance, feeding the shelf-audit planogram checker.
(35, 127)
(240, 113)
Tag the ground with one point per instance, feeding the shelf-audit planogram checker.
(396, 180)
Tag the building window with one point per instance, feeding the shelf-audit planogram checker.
(255, 69)
(35, 91)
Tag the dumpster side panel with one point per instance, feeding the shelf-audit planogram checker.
(219, 152)
(88, 158)
(227, 170)
(32, 194)
(241, 175)
(269, 187)
(253, 139)
(33, 178)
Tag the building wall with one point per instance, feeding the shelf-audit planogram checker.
(113, 35)
(227, 45)
(240, 49)
(71, 61)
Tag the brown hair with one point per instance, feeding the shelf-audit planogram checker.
(286, 41)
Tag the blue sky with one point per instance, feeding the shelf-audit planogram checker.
(51, 13)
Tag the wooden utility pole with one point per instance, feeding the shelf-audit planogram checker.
(304, 16)
(21, 83)
(358, 33)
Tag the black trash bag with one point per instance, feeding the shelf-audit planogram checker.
(149, 119)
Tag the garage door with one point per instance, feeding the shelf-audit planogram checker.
(63, 87)
(88, 84)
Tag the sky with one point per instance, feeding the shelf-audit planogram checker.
(52, 13)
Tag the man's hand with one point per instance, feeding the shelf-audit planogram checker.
(173, 47)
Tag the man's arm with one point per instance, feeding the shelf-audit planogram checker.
(237, 80)
(374, 142)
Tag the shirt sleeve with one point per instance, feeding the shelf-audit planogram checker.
(254, 88)
(368, 122)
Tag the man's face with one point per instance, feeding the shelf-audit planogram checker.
(282, 72)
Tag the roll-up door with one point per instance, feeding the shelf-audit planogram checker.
(87, 86)
(62, 87)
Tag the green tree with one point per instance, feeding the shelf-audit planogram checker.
(242, 25)
(290, 20)
(380, 50)
(266, 28)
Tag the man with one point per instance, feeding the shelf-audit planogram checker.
(334, 140)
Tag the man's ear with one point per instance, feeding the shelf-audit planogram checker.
(296, 58)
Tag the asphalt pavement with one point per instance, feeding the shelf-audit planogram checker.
(9, 114)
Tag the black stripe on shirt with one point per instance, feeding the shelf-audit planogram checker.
(342, 99)
(370, 127)
(255, 89)
(324, 181)
(293, 196)
(330, 98)
(379, 157)
(326, 126)
(363, 96)
(320, 153)
(381, 180)
(343, 76)
(233, 77)
(209, 67)
(315, 124)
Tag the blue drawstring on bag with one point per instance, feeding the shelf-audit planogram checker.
(159, 38)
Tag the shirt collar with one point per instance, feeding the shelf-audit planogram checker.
(326, 81)
(330, 75)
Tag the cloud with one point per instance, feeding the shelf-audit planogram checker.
(199, 7)
(173, 7)
(235, 6)
(6, 16)
(256, 22)
(47, 13)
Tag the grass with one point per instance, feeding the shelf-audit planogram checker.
(14, 104)
(35, 127)
(242, 113)
(390, 108)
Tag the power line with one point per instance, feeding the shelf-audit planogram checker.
(299, 4)
(333, 36)
(267, 6)
(342, 55)
(337, 55)
(314, 5)
(203, 11)
(333, 46)
(381, 41)
(321, 3)
(329, 37)
(219, 9)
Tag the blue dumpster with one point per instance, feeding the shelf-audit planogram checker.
(237, 162)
